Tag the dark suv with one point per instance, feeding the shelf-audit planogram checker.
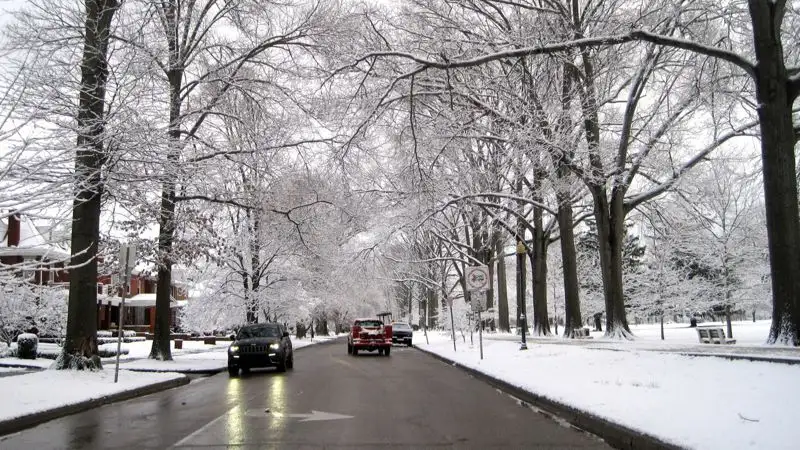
(260, 345)
(402, 333)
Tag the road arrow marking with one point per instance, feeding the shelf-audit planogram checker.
(314, 416)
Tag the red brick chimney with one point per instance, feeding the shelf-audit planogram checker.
(13, 230)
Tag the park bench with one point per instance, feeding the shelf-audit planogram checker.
(713, 336)
(581, 333)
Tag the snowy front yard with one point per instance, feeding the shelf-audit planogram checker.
(695, 402)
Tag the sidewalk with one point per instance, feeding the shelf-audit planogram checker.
(36, 397)
(747, 352)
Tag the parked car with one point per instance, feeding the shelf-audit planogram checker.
(369, 335)
(402, 333)
(260, 345)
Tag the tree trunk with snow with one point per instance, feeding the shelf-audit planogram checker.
(80, 346)
(502, 288)
(538, 257)
(776, 92)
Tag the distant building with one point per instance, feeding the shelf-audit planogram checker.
(33, 252)
(140, 301)
(39, 255)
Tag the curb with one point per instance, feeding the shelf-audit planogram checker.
(185, 372)
(614, 434)
(30, 420)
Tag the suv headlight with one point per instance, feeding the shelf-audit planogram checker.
(233, 348)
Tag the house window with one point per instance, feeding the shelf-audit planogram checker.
(99, 288)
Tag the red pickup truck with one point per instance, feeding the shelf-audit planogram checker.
(369, 335)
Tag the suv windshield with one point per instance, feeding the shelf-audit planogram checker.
(369, 323)
(259, 332)
(401, 326)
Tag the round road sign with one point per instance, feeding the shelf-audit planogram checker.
(478, 278)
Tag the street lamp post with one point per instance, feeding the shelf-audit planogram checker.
(521, 290)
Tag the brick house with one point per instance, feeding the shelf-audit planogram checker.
(39, 254)
(35, 253)
(140, 302)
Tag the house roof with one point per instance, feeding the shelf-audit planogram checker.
(138, 300)
(34, 241)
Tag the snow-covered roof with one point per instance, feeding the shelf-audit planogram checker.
(138, 300)
(34, 241)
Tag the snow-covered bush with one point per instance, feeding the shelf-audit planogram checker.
(27, 346)
(4, 350)
(25, 307)
(108, 352)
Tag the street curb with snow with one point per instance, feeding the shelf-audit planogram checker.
(20, 423)
(616, 435)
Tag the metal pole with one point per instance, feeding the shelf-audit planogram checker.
(521, 290)
(480, 332)
(452, 323)
(471, 340)
(425, 323)
(121, 315)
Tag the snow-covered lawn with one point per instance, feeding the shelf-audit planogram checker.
(695, 402)
(50, 389)
(746, 333)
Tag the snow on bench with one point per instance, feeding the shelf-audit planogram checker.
(713, 336)
(581, 333)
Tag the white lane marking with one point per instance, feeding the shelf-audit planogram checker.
(314, 416)
(202, 429)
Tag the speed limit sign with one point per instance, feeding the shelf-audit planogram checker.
(478, 278)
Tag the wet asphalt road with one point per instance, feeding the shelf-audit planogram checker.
(330, 400)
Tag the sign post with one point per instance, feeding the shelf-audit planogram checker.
(478, 284)
(452, 321)
(127, 259)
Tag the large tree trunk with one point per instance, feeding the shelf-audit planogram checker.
(431, 314)
(609, 217)
(255, 268)
(161, 345)
(521, 286)
(502, 289)
(541, 322)
(80, 346)
(569, 258)
(776, 94)
(569, 262)
(609, 238)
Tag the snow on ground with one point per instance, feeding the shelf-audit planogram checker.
(38, 363)
(747, 333)
(695, 402)
(49, 389)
